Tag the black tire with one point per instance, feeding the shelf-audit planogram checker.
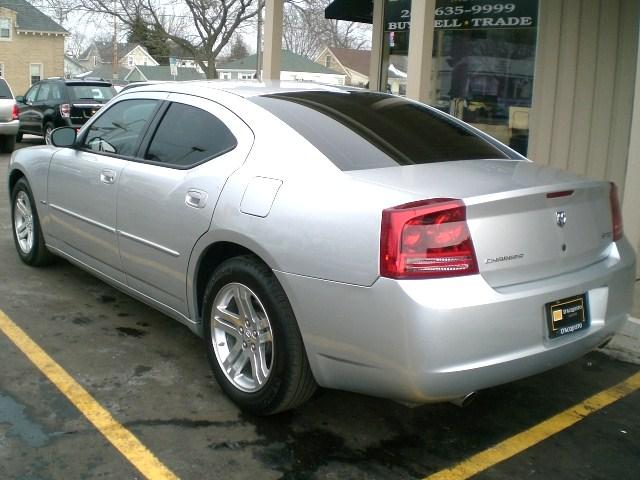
(18, 137)
(7, 143)
(38, 255)
(290, 381)
(46, 132)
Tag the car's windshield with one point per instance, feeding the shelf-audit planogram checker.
(361, 130)
(99, 93)
(4, 90)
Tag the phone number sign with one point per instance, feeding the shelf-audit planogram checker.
(466, 14)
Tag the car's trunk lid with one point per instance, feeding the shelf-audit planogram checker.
(527, 222)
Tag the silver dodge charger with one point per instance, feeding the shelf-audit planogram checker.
(330, 236)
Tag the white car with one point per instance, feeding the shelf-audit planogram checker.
(330, 236)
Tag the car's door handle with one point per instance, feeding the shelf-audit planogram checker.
(108, 176)
(196, 198)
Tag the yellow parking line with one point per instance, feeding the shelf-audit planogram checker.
(121, 438)
(536, 434)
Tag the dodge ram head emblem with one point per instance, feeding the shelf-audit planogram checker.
(561, 218)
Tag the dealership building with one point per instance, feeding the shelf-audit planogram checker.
(554, 79)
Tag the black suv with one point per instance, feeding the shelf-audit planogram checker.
(59, 102)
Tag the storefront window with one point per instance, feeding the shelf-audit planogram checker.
(394, 66)
(483, 62)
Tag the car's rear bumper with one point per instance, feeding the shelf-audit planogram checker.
(433, 340)
(9, 128)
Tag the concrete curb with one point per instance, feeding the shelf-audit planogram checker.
(625, 345)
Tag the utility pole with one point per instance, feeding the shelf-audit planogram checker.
(114, 60)
(259, 43)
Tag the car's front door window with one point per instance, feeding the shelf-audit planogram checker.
(31, 94)
(118, 130)
(43, 93)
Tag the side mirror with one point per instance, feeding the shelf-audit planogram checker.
(20, 99)
(63, 137)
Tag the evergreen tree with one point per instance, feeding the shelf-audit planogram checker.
(238, 49)
(150, 38)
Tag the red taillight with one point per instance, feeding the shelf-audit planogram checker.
(14, 112)
(426, 239)
(616, 213)
(65, 110)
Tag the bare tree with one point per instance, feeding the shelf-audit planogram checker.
(60, 10)
(69, 13)
(201, 27)
(306, 31)
(76, 43)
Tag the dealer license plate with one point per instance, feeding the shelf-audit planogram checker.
(567, 316)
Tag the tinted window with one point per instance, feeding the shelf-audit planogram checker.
(43, 93)
(99, 93)
(31, 94)
(360, 130)
(188, 135)
(118, 129)
(56, 92)
(4, 90)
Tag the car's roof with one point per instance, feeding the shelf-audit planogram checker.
(243, 88)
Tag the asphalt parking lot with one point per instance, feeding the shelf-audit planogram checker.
(150, 374)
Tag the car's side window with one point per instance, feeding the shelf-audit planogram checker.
(119, 128)
(43, 93)
(31, 94)
(188, 136)
(56, 92)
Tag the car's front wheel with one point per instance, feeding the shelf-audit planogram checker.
(27, 233)
(252, 338)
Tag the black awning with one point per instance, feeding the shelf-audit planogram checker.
(350, 10)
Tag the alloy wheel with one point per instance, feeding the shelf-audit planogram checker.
(23, 221)
(242, 337)
(47, 135)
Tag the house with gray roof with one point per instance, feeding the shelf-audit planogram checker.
(72, 68)
(147, 73)
(294, 68)
(355, 65)
(31, 45)
(98, 59)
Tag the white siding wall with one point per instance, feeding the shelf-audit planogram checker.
(584, 90)
(631, 204)
(584, 85)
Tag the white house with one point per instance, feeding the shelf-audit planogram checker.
(294, 68)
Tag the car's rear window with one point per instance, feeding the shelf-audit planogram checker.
(4, 90)
(362, 130)
(98, 93)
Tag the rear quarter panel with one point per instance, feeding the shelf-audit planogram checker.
(322, 223)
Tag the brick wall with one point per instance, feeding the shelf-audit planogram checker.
(26, 48)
